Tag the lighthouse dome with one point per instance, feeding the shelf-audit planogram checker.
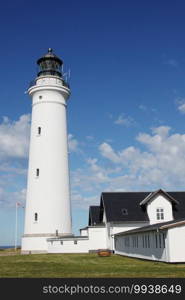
(49, 64)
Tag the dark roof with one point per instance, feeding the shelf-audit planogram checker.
(125, 206)
(153, 227)
(94, 215)
(178, 210)
(161, 192)
(50, 55)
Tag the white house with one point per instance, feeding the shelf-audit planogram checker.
(148, 225)
(161, 242)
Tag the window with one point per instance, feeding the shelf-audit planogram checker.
(39, 130)
(164, 237)
(37, 172)
(124, 212)
(127, 241)
(75, 242)
(135, 241)
(40, 97)
(36, 217)
(148, 241)
(160, 213)
(156, 241)
(61, 242)
(159, 240)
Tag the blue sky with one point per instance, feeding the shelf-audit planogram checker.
(126, 114)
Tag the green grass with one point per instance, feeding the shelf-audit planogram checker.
(84, 265)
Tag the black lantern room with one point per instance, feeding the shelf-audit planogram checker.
(49, 64)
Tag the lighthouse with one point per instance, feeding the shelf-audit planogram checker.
(48, 208)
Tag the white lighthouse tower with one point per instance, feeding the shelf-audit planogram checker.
(48, 209)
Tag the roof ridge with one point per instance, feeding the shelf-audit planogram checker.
(128, 192)
(144, 191)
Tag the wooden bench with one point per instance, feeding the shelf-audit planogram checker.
(104, 252)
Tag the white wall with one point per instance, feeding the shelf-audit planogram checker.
(177, 244)
(83, 232)
(108, 240)
(97, 238)
(68, 246)
(159, 202)
(121, 227)
(34, 244)
(148, 250)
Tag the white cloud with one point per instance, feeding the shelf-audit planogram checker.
(12, 169)
(172, 62)
(82, 201)
(73, 143)
(9, 199)
(90, 138)
(162, 164)
(180, 105)
(124, 120)
(14, 137)
(107, 151)
(142, 107)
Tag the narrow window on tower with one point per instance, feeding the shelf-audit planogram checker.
(37, 172)
(40, 97)
(39, 130)
(36, 217)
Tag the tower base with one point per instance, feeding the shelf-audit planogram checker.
(37, 243)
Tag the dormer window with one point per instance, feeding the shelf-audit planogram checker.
(160, 213)
(124, 211)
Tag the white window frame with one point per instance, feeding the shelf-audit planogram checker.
(159, 213)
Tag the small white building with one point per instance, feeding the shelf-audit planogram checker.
(147, 225)
(91, 239)
(161, 242)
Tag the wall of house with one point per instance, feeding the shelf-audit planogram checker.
(159, 202)
(148, 245)
(108, 240)
(121, 227)
(97, 238)
(177, 244)
(68, 246)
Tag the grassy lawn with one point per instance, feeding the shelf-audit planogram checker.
(84, 265)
